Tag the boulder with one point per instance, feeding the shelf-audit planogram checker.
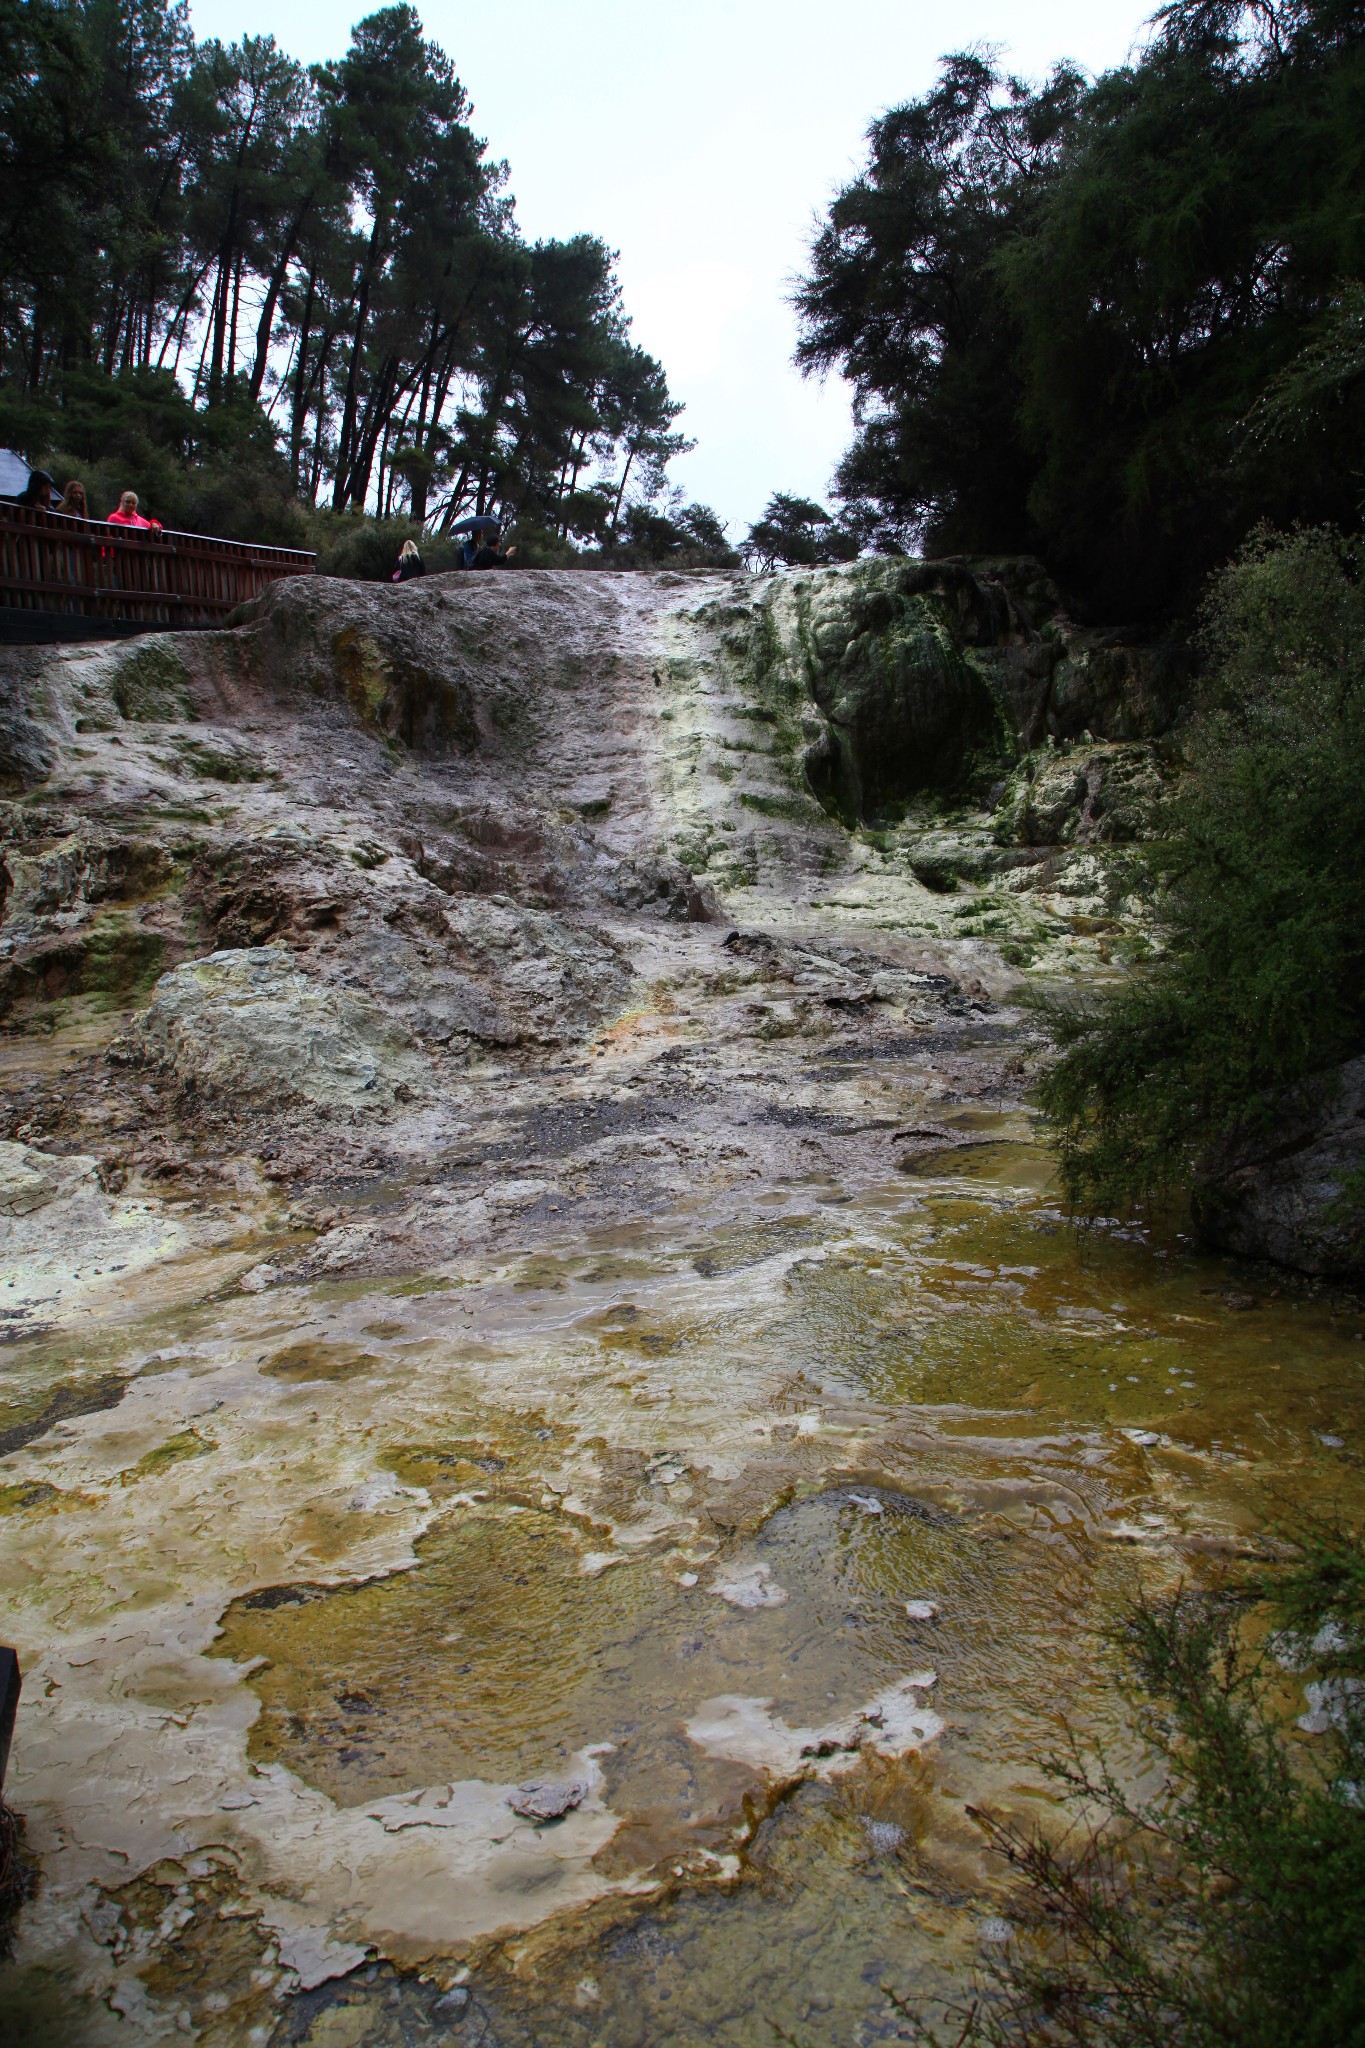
(1293, 1190)
(663, 887)
(892, 705)
(446, 665)
(405, 668)
(1105, 794)
(250, 1025)
(31, 1182)
(895, 678)
(556, 977)
(1123, 689)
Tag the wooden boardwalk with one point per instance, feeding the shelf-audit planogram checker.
(64, 578)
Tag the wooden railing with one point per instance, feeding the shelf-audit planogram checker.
(72, 569)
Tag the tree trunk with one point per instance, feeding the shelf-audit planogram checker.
(348, 411)
(226, 253)
(232, 330)
(182, 313)
(265, 325)
(297, 415)
(375, 422)
(457, 498)
(621, 492)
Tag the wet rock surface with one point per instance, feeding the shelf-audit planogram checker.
(554, 1433)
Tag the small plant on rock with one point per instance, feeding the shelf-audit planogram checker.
(1228, 1909)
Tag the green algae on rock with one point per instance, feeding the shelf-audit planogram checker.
(150, 682)
(890, 705)
(1068, 795)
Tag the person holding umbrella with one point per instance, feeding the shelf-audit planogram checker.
(480, 550)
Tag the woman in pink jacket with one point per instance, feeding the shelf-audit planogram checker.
(128, 515)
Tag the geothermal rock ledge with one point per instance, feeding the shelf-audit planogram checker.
(522, 1229)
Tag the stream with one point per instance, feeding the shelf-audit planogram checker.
(942, 1437)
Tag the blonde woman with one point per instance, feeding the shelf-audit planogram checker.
(128, 515)
(410, 563)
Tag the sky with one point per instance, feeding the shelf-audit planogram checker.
(703, 141)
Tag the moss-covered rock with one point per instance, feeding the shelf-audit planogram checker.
(1081, 796)
(222, 759)
(150, 682)
(249, 1025)
(880, 699)
(430, 712)
(115, 958)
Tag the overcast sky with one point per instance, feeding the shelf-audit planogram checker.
(702, 140)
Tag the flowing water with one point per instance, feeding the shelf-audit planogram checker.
(670, 1496)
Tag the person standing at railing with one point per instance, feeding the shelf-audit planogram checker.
(37, 492)
(72, 558)
(128, 515)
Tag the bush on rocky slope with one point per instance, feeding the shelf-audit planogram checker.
(1201, 1068)
(1227, 1909)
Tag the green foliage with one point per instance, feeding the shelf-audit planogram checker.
(352, 544)
(199, 471)
(229, 282)
(1260, 982)
(798, 533)
(1227, 1910)
(1116, 324)
(905, 298)
(684, 537)
(1311, 398)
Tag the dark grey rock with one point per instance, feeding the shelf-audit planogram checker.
(1294, 1190)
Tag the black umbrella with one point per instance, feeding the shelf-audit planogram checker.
(479, 522)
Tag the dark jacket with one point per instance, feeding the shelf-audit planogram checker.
(408, 567)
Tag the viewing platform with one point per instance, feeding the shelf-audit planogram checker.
(82, 579)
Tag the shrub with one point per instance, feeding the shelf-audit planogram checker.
(352, 544)
(1259, 892)
(1228, 1910)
